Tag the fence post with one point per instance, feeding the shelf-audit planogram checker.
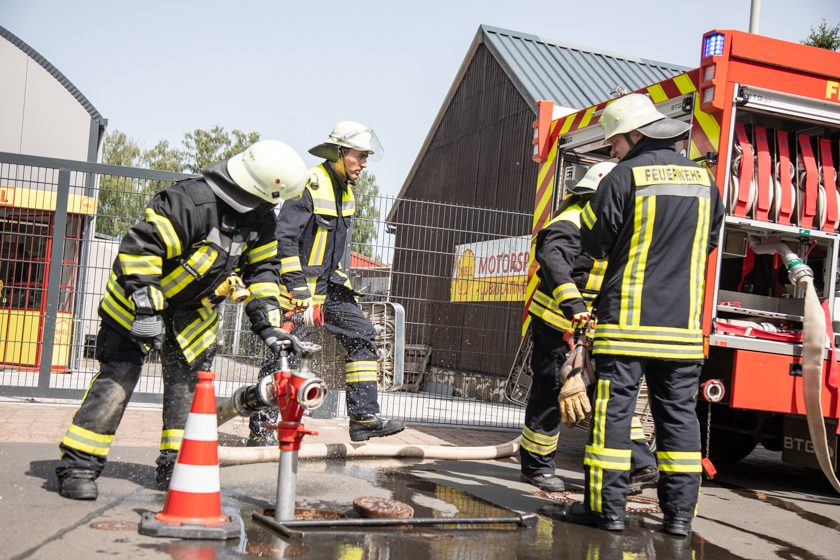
(54, 280)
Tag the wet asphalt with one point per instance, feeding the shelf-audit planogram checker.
(760, 508)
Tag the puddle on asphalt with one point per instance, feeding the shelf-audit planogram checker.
(642, 539)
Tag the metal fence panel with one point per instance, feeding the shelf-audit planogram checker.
(60, 227)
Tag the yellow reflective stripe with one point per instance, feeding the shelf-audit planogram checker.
(200, 345)
(539, 308)
(607, 458)
(565, 292)
(140, 265)
(264, 289)
(634, 271)
(290, 264)
(596, 275)
(166, 231)
(348, 204)
(360, 366)
(358, 372)
(535, 442)
(636, 429)
(275, 318)
(316, 257)
(116, 312)
(645, 175)
(648, 332)
(664, 351)
(158, 301)
(262, 252)
(679, 461)
(361, 377)
(171, 440)
(696, 278)
(602, 396)
(599, 417)
(200, 262)
(588, 217)
(198, 335)
(87, 441)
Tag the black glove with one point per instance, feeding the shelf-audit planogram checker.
(274, 338)
(147, 327)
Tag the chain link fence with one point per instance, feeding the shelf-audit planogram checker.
(443, 285)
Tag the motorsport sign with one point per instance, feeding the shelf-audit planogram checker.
(491, 270)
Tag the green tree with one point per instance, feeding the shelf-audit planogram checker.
(366, 222)
(824, 37)
(121, 199)
(164, 158)
(204, 147)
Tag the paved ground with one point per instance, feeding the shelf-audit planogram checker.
(759, 509)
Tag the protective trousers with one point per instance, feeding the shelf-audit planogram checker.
(344, 319)
(89, 437)
(540, 433)
(672, 387)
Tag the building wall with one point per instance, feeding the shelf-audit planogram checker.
(38, 115)
(480, 156)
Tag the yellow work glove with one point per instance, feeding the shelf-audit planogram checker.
(300, 297)
(583, 321)
(573, 402)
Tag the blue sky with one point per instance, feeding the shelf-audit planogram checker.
(290, 70)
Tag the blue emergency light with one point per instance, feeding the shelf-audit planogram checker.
(713, 45)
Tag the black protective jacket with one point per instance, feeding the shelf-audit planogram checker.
(655, 217)
(188, 244)
(311, 233)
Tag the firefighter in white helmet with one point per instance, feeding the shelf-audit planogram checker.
(198, 235)
(569, 281)
(657, 216)
(311, 233)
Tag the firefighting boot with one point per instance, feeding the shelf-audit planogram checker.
(646, 477)
(578, 514)
(547, 482)
(78, 484)
(677, 526)
(165, 467)
(373, 425)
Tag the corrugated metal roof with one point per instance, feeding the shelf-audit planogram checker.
(570, 75)
(54, 72)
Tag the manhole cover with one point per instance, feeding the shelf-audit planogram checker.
(382, 508)
(115, 525)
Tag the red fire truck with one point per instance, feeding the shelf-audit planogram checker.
(765, 121)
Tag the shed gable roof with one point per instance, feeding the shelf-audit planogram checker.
(572, 76)
(54, 72)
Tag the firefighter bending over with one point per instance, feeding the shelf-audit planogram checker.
(657, 216)
(162, 295)
(311, 233)
(569, 282)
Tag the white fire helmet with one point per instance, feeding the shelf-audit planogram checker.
(349, 134)
(270, 170)
(589, 182)
(637, 112)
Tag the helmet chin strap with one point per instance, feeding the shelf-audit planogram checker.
(344, 172)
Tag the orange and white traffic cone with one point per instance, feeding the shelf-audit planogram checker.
(193, 507)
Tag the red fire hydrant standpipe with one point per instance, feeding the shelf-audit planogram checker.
(295, 392)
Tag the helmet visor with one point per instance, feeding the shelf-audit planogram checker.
(364, 140)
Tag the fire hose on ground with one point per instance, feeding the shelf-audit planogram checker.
(813, 347)
(309, 393)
